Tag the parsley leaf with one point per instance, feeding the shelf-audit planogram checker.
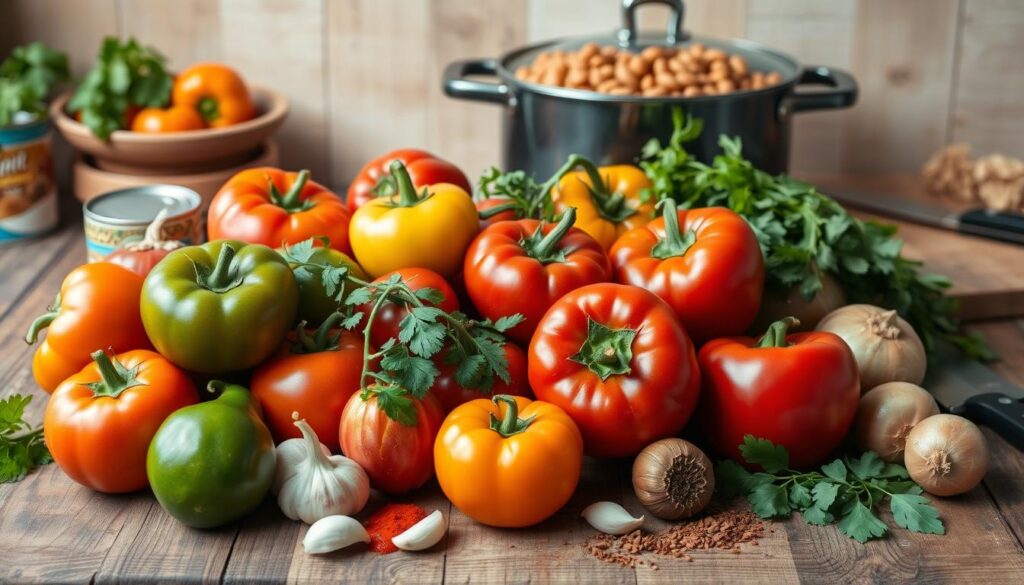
(396, 404)
(916, 514)
(762, 452)
(26, 78)
(860, 524)
(770, 501)
(21, 446)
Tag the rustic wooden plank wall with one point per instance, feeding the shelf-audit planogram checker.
(363, 75)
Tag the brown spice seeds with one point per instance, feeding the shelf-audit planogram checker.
(723, 530)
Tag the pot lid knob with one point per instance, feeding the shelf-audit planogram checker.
(675, 33)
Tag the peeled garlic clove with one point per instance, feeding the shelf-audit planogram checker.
(611, 518)
(424, 534)
(333, 533)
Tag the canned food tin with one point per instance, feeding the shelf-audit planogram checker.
(121, 216)
(28, 191)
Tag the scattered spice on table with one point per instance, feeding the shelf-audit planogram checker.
(390, 521)
(723, 530)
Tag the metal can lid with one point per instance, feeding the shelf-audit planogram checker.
(136, 205)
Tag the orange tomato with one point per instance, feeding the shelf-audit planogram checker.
(509, 461)
(97, 308)
(173, 119)
(216, 92)
(100, 421)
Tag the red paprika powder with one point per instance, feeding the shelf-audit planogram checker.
(390, 521)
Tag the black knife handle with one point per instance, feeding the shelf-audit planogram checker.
(1002, 414)
(1008, 227)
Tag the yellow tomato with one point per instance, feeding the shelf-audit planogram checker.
(431, 229)
(607, 200)
(508, 462)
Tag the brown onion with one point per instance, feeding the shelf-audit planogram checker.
(775, 307)
(886, 347)
(886, 415)
(946, 455)
(673, 479)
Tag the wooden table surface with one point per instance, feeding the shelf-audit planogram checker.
(53, 530)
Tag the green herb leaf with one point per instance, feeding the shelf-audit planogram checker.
(860, 524)
(508, 322)
(868, 466)
(396, 404)
(770, 457)
(421, 331)
(770, 501)
(916, 514)
(26, 79)
(799, 497)
(21, 446)
(731, 479)
(430, 295)
(836, 470)
(817, 516)
(825, 493)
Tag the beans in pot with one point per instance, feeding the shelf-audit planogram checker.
(689, 71)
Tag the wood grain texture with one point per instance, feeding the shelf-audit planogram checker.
(903, 56)
(74, 27)
(280, 44)
(988, 112)
(185, 32)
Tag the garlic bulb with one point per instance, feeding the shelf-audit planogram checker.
(886, 347)
(423, 534)
(611, 518)
(311, 484)
(332, 533)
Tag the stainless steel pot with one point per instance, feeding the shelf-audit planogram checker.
(545, 124)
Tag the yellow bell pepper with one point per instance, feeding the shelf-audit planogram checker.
(431, 229)
(607, 200)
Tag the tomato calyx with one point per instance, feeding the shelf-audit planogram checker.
(291, 201)
(606, 351)
(510, 424)
(675, 243)
(407, 195)
(610, 205)
(323, 339)
(545, 249)
(208, 109)
(223, 277)
(43, 321)
(114, 377)
(775, 336)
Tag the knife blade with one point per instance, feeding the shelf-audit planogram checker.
(1006, 227)
(973, 390)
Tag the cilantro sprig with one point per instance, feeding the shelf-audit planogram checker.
(846, 491)
(26, 78)
(804, 233)
(21, 446)
(125, 74)
(404, 366)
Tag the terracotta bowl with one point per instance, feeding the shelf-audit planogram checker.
(189, 152)
(90, 181)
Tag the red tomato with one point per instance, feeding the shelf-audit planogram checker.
(524, 266)
(450, 394)
(390, 315)
(485, 204)
(617, 361)
(272, 207)
(705, 263)
(800, 391)
(314, 381)
(397, 457)
(374, 179)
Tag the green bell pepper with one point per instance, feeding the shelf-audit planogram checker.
(213, 462)
(219, 307)
(315, 305)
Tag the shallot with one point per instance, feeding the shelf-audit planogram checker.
(946, 455)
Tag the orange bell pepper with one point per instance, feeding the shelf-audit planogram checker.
(607, 200)
(97, 308)
(100, 421)
(173, 119)
(216, 91)
(509, 461)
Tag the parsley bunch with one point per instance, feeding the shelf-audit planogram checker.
(405, 367)
(845, 490)
(804, 233)
(26, 78)
(125, 74)
(21, 447)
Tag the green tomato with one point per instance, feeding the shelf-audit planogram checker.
(220, 307)
(211, 463)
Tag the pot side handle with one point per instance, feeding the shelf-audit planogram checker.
(457, 86)
(843, 94)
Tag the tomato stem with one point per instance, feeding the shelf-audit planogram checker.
(290, 201)
(611, 205)
(407, 196)
(221, 278)
(43, 321)
(775, 336)
(114, 378)
(498, 209)
(545, 250)
(510, 424)
(208, 109)
(674, 243)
